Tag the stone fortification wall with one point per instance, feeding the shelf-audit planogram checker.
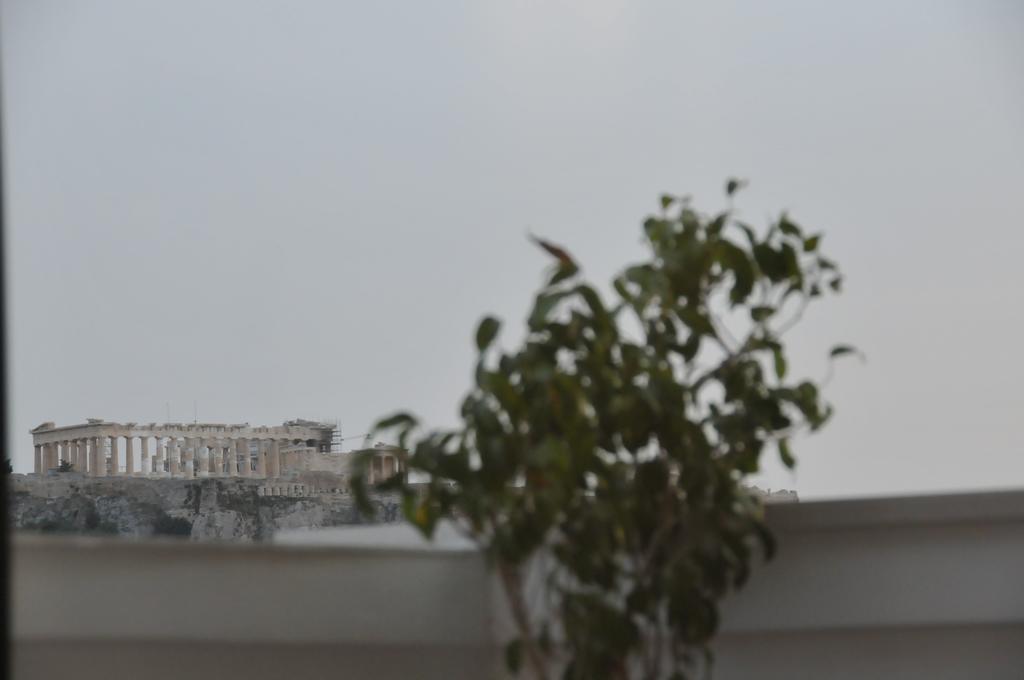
(232, 509)
(298, 460)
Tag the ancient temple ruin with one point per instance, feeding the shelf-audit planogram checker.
(189, 450)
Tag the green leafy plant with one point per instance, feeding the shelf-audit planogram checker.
(65, 466)
(615, 440)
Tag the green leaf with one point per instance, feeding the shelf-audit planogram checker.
(761, 312)
(620, 287)
(715, 226)
(768, 543)
(396, 420)
(787, 227)
(564, 270)
(785, 455)
(791, 261)
(593, 301)
(771, 262)
(780, 362)
(840, 350)
(486, 332)
(543, 306)
(667, 201)
(690, 348)
(735, 259)
(658, 231)
(358, 484)
(748, 230)
(514, 656)
(698, 321)
(552, 451)
(811, 243)
(555, 251)
(734, 185)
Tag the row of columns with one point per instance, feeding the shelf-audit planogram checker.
(383, 466)
(172, 457)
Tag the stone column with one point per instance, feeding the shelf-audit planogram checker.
(114, 461)
(144, 461)
(188, 460)
(175, 456)
(94, 457)
(129, 457)
(161, 458)
(54, 454)
(216, 459)
(242, 447)
(231, 458)
(224, 451)
(274, 460)
(182, 457)
(261, 461)
(101, 457)
(202, 459)
(38, 468)
(76, 455)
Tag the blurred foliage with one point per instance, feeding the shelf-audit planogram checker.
(615, 441)
(65, 466)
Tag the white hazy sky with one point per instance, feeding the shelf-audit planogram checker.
(281, 209)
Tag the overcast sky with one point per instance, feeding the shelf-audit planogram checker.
(283, 210)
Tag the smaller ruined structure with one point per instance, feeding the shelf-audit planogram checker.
(98, 448)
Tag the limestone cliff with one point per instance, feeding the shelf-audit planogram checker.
(234, 509)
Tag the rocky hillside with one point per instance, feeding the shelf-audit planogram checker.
(203, 509)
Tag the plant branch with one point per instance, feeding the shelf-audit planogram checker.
(511, 579)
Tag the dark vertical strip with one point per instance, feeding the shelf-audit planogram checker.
(5, 545)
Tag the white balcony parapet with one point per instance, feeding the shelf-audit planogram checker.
(927, 587)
